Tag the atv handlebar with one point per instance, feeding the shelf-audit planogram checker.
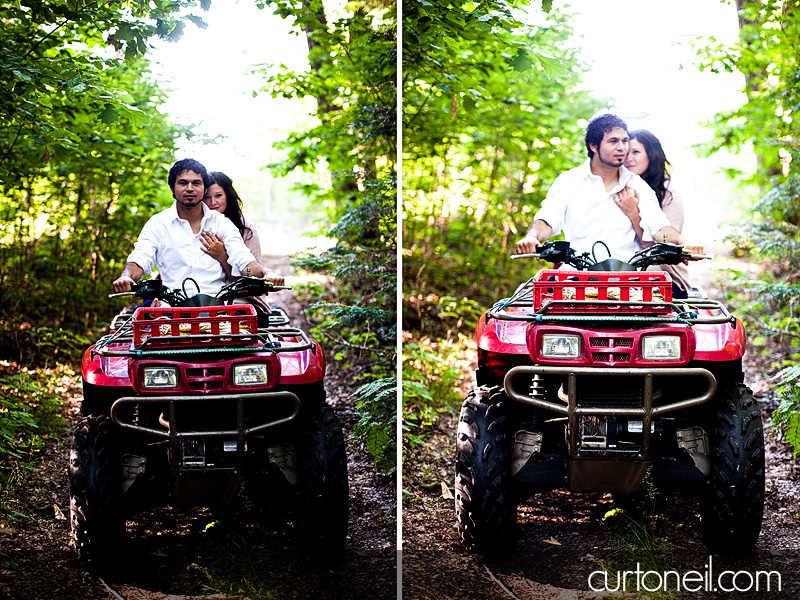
(657, 254)
(154, 289)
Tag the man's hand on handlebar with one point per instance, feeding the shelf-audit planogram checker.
(123, 284)
(527, 245)
(538, 234)
(273, 277)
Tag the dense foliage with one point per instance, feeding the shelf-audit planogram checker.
(492, 114)
(768, 56)
(485, 135)
(30, 409)
(82, 154)
(82, 147)
(352, 76)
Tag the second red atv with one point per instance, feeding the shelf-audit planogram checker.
(590, 378)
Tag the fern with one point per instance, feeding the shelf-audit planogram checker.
(787, 415)
(377, 408)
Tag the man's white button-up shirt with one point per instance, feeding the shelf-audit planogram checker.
(168, 243)
(579, 204)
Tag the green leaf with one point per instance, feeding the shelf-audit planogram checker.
(522, 61)
(108, 115)
(553, 67)
(197, 21)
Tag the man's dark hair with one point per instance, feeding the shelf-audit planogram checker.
(187, 164)
(598, 127)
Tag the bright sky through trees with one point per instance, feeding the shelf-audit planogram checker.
(209, 75)
(642, 56)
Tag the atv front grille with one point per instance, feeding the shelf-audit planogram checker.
(611, 357)
(205, 379)
(612, 345)
(205, 386)
(610, 342)
(204, 372)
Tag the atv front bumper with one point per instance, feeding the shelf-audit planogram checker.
(234, 417)
(593, 469)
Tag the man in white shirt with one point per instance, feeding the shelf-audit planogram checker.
(171, 240)
(583, 202)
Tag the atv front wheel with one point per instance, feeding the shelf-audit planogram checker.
(323, 488)
(485, 506)
(733, 506)
(96, 520)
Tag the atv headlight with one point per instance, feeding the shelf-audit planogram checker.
(661, 347)
(250, 374)
(561, 346)
(160, 377)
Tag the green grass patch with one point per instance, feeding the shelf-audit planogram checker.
(633, 526)
(433, 373)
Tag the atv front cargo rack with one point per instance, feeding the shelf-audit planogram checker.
(571, 292)
(170, 327)
(564, 310)
(272, 339)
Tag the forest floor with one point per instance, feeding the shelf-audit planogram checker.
(174, 554)
(563, 537)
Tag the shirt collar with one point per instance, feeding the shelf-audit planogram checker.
(624, 174)
(173, 212)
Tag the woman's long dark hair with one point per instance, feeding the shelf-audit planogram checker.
(234, 208)
(658, 171)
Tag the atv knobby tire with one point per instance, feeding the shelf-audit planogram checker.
(485, 506)
(96, 521)
(733, 506)
(322, 486)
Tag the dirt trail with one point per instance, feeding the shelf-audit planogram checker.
(175, 554)
(561, 537)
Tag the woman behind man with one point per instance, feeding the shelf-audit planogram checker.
(222, 197)
(646, 159)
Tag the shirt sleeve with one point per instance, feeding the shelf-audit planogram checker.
(145, 250)
(252, 242)
(673, 207)
(238, 254)
(652, 218)
(554, 206)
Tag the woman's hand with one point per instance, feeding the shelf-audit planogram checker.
(213, 245)
(628, 202)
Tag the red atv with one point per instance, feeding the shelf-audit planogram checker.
(590, 379)
(184, 403)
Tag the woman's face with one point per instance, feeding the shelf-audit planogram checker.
(636, 161)
(215, 198)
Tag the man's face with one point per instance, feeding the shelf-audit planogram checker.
(189, 189)
(613, 148)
